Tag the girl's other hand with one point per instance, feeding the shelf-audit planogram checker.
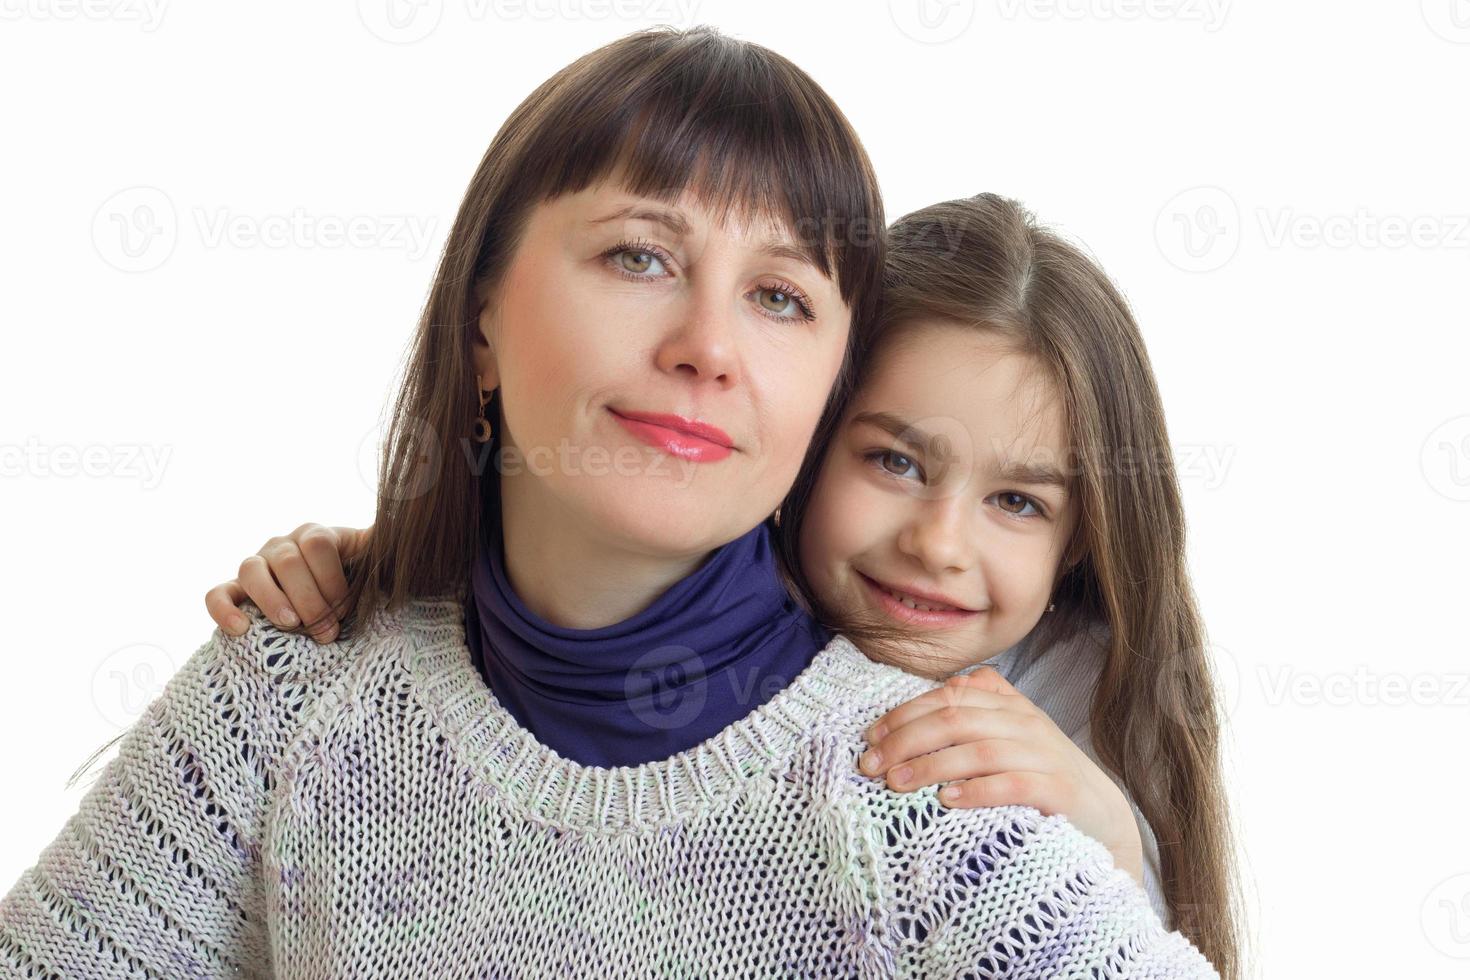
(1003, 750)
(294, 579)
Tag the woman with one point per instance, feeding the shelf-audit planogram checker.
(298, 809)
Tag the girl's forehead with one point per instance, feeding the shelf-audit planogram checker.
(964, 386)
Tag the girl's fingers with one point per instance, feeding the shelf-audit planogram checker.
(255, 578)
(984, 679)
(983, 757)
(1012, 788)
(969, 718)
(223, 602)
(352, 541)
(949, 695)
(291, 570)
(325, 549)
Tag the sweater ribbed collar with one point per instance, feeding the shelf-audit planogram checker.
(538, 782)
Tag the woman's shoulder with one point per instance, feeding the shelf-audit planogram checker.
(953, 879)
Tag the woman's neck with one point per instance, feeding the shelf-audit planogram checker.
(576, 576)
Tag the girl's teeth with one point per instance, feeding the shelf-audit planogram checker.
(909, 602)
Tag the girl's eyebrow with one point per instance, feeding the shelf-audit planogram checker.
(922, 443)
(1034, 475)
(900, 428)
(678, 224)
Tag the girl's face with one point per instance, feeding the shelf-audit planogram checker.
(616, 306)
(946, 479)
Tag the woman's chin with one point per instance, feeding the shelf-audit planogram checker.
(675, 524)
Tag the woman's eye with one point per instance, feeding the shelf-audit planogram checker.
(784, 303)
(779, 302)
(1019, 500)
(636, 261)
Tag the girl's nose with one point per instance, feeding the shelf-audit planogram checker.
(940, 536)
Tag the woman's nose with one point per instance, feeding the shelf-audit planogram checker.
(703, 341)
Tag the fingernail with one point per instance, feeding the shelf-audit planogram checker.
(287, 617)
(872, 759)
(879, 732)
(901, 774)
(240, 624)
(950, 793)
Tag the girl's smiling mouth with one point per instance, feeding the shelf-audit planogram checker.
(912, 611)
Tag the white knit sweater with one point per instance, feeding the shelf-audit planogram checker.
(367, 809)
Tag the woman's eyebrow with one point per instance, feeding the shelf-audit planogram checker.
(669, 218)
(678, 224)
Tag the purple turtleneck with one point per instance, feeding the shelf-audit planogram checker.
(710, 650)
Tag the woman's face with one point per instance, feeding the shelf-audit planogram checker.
(616, 306)
(945, 478)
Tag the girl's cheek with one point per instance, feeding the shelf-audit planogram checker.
(1018, 574)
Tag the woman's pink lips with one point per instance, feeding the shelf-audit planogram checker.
(914, 617)
(673, 441)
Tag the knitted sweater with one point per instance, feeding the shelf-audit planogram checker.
(1061, 681)
(367, 809)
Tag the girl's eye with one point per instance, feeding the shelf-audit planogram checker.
(783, 302)
(1009, 499)
(879, 457)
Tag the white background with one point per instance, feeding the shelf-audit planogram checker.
(1279, 188)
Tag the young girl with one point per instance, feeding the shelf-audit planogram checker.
(972, 506)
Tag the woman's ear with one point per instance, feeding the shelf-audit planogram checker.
(483, 350)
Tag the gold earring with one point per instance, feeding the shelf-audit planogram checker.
(484, 432)
(777, 517)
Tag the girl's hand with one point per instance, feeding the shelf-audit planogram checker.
(1002, 749)
(294, 580)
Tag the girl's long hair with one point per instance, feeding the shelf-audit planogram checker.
(984, 263)
(662, 111)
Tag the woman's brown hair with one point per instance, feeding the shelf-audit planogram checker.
(661, 111)
(664, 112)
(984, 263)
